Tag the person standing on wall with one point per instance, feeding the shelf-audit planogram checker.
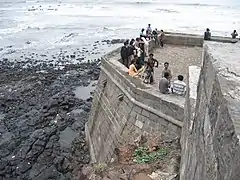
(161, 38)
(155, 36)
(131, 51)
(124, 54)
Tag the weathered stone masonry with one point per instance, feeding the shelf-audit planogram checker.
(123, 108)
(210, 146)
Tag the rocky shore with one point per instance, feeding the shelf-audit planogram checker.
(43, 108)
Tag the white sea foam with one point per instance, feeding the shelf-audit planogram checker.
(48, 22)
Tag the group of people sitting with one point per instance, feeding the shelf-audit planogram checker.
(135, 57)
(207, 34)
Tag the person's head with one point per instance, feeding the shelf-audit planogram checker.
(234, 31)
(166, 65)
(125, 43)
(180, 77)
(149, 25)
(133, 61)
(207, 29)
(137, 39)
(142, 30)
(151, 55)
(132, 41)
(166, 75)
(161, 30)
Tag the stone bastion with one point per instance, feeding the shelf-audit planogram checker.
(207, 120)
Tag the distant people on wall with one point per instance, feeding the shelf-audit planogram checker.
(166, 69)
(234, 34)
(207, 34)
(124, 54)
(161, 38)
(178, 87)
(164, 85)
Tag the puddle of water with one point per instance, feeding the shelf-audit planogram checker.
(83, 93)
(66, 137)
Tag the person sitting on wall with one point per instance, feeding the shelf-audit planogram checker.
(124, 54)
(179, 87)
(166, 69)
(207, 34)
(164, 84)
(132, 68)
(161, 38)
(234, 34)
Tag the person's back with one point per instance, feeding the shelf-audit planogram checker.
(178, 86)
(124, 54)
(207, 34)
(234, 34)
(164, 84)
(124, 51)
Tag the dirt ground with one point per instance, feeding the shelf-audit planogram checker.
(126, 168)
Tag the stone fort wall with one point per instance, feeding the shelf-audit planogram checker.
(123, 108)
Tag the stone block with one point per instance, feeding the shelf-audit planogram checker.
(145, 113)
(139, 124)
(173, 127)
(137, 109)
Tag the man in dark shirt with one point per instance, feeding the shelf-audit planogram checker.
(124, 54)
(150, 67)
(155, 36)
(131, 51)
(207, 34)
(152, 62)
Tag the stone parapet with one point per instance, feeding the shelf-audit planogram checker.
(210, 135)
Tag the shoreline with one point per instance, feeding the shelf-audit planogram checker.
(42, 116)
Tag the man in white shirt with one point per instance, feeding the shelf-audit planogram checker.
(149, 29)
(179, 87)
(146, 45)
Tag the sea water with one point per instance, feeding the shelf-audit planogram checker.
(55, 24)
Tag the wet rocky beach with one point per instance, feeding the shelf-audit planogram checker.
(45, 100)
